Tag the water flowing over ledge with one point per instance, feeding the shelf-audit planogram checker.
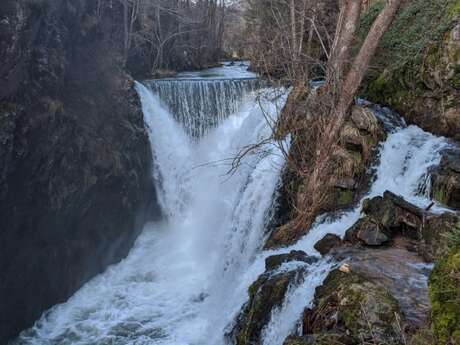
(200, 105)
(187, 277)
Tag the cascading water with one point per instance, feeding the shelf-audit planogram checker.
(187, 277)
(201, 104)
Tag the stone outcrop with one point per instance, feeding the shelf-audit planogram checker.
(75, 171)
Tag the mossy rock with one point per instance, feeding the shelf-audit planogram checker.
(444, 290)
(351, 304)
(265, 294)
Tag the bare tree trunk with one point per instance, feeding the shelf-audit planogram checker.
(346, 28)
(313, 196)
(360, 64)
(293, 27)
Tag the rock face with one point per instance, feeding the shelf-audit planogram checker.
(75, 171)
(403, 273)
(446, 180)
(418, 65)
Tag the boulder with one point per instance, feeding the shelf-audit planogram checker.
(385, 217)
(265, 294)
(327, 243)
(367, 232)
(275, 261)
(352, 308)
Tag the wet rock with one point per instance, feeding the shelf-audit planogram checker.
(446, 180)
(327, 243)
(265, 294)
(367, 232)
(353, 308)
(401, 272)
(275, 261)
(384, 217)
(164, 73)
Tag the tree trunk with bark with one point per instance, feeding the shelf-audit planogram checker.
(332, 104)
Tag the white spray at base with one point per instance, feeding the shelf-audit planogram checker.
(186, 279)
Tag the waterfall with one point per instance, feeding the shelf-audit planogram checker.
(202, 104)
(187, 277)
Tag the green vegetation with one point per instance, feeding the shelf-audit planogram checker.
(415, 70)
(418, 24)
(444, 291)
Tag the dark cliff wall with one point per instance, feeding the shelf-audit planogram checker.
(75, 162)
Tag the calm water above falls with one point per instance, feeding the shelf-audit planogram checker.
(187, 277)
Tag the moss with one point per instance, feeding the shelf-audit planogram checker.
(444, 290)
(264, 295)
(455, 80)
(454, 8)
(345, 197)
(453, 236)
(358, 304)
(440, 195)
(357, 157)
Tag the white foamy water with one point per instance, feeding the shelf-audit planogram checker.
(404, 162)
(186, 278)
